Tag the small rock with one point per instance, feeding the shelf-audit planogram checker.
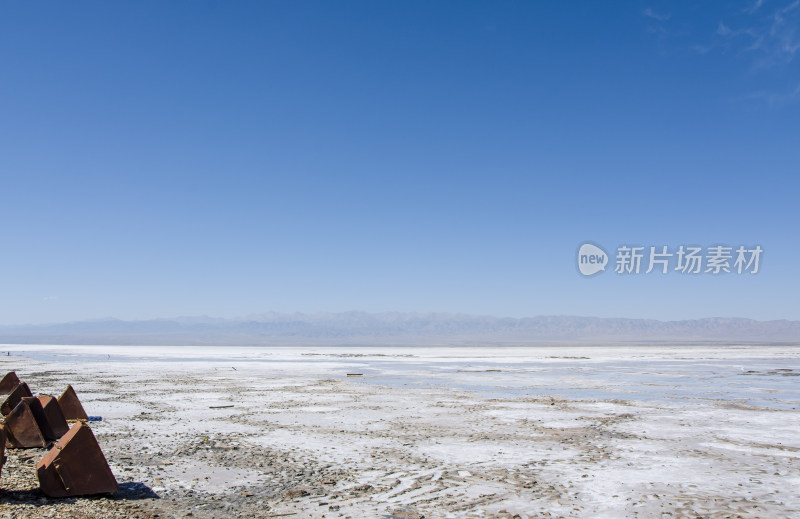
(296, 492)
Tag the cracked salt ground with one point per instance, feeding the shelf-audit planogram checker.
(302, 440)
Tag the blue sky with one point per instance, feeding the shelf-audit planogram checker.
(226, 158)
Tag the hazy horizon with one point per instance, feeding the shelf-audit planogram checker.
(397, 328)
(257, 315)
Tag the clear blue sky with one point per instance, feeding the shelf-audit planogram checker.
(170, 158)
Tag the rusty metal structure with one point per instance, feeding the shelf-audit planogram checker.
(56, 424)
(2, 448)
(13, 398)
(71, 406)
(9, 382)
(34, 421)
(76, 466)
(23, 425)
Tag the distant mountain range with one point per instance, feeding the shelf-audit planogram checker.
(393, 328)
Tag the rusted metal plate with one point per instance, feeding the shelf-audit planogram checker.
(9, 382)
(76, 466)
(2, 448)
(22, 428)
(71, 406)
(14, 398)
(57, 425)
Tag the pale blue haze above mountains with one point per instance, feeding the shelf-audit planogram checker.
(424, 329)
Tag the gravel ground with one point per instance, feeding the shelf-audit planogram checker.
(20, 497)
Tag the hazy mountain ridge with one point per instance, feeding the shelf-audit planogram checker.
(399, 328)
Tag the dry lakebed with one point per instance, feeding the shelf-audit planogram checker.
(411, 432)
